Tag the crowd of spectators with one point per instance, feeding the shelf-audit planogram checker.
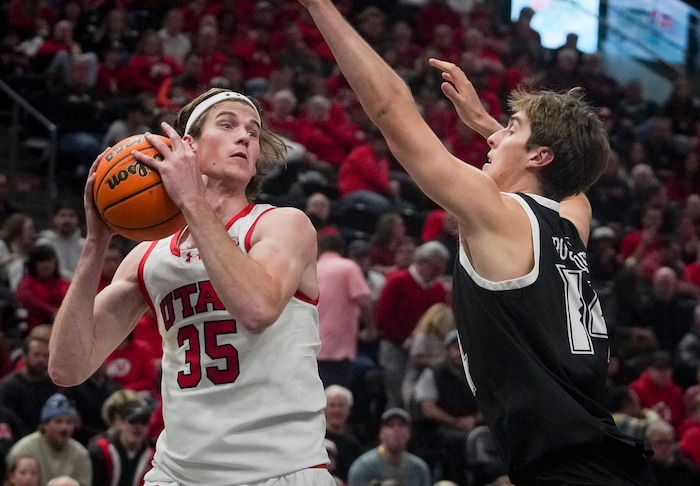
(103, 70)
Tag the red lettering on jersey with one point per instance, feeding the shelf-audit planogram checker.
(207, 297)
(183, 295)
(167, 311)
(206, 301)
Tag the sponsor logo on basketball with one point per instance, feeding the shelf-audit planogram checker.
(120, 148)
(135, 169)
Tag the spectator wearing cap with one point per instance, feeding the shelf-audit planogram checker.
(390, 460)
(53, 447)
(446, 412)
(124, 453)
(657, 390)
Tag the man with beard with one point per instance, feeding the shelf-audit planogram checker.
(25, 390)
(53, 447)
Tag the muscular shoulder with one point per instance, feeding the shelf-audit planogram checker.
(128, 268)
(284, 222)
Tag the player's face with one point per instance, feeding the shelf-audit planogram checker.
(230, 141)
(508, 157)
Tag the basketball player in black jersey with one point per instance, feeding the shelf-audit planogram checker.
(533, 336)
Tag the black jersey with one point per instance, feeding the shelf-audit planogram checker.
(536, 347)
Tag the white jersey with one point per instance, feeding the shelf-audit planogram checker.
(238, 407)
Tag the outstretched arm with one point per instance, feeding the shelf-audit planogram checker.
(465, 191)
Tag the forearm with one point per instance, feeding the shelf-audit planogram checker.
(72, 356)
(253, 290)
(379, 94)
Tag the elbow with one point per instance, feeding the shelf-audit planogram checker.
(257, 321)
(63, 376)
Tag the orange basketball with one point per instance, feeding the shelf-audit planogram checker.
(131, 197)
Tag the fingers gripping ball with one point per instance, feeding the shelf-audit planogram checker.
(130, 196)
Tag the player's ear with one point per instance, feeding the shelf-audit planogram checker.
(540, 156)
(188, 139)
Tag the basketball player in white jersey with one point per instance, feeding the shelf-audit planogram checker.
(235, 294)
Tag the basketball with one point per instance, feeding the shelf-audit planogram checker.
(130, 196)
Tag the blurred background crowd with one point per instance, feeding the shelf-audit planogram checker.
(102, 70)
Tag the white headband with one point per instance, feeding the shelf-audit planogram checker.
(212, 100)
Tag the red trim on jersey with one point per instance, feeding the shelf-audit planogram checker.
(303, 297)
(175, 241)
(244, 212)
(142, 283)
(174, 245)
(319, 466)
(249, 234)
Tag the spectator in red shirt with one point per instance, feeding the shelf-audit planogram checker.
(327, 143)
(433, 14)
(364, 176)
(282, 118)
(467, 145)
(657, 391)
(478, 52)
(131, 366)
(645, 241)
(178, 90)
(207, 45)
(112, 74)
(252, 48)
(30, 18)
(442, 44)
(149, 67)
(42, 289)
(691, 272)
(403, 53)
(405, 297)
(57, 54)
